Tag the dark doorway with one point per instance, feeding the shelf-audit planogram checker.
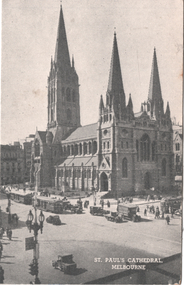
(147, 180)
(104, 182)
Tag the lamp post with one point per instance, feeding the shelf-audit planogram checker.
(35, 227)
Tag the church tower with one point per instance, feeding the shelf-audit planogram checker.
(63, 88)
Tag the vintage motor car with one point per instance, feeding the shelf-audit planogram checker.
(94, 210)
(65, 263)
(55, 220)
(114, 217)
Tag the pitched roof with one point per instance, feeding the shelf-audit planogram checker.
(78, 160)
(42, 136)
(82, 133)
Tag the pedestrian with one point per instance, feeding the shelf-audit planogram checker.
(108, 204)
(145, 212)
(162, 214)
(102, 203)
(10, 234)
(7, 232)
(167, 219)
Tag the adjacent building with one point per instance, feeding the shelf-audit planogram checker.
(123, 152)
(12, 164)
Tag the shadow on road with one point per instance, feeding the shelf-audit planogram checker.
(5, 223)
(78, 271)
(8, 256)
(146, 220)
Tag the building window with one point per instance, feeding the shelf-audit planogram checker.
(164, 167)
(124, 168)
(177, 146)
(126, 144)
(107, 145)
(121, 144)
(145, 148)
(85, 148)
(153, 151)
(90, 147)
(137, 149)
(177, 158)
(104, 145)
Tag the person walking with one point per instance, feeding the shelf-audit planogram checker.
(167, 219)
(145, 212)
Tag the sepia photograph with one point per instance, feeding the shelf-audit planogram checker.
(91, 142)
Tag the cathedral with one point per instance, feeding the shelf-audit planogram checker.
(123, 153)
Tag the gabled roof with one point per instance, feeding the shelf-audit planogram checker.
(78, 160)
(42, 136)
(82, 133)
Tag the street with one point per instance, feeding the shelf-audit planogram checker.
(89, 238)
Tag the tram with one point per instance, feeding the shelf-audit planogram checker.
(170, 203)
(21, 196)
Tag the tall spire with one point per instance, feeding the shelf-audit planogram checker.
(115, 88)
(155, 94)
(62, 57)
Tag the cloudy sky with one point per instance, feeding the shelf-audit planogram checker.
(29, 30)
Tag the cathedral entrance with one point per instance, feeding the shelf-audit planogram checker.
(104, 182)
(147, 181)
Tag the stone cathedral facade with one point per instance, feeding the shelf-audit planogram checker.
(123, 152)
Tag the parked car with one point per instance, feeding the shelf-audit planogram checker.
(65, 263)
(55, 220)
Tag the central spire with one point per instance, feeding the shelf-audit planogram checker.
(115, 91)
(115, 78)
(62, 57)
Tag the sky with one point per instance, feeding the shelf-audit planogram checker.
(29, 31)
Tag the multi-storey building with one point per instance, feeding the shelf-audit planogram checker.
(27, 146)
(123, 152)
(12, 164)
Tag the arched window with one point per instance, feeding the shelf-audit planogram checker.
(137, 149)
(68, 150)
(90, 148)
(76, 150)
(145, 148)
(124, 168)
(37, 148)
(68, 95)
(154, 151)
(73, 96)
(69, 114)
(164, 167)
(85, 148)
(80, 149)
(94, 147)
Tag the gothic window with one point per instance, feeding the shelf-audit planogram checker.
(69, 114)
(153, 151)
(68, 95)
(85, 148)
(110, 117)
(124, 168)
(121, 144)
(145, 148)
(37, 148)
(73, 96)
(164, 167)
(137, 149)
(80, 149)
(90, 148)
(76, 149)
(104, 145)
(177, 158)
(177, 146)
(107, 145)
(68, 150)
(94, 147)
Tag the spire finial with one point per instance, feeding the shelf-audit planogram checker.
(115, 31)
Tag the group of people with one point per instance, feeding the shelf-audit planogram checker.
(157, 213)
(102, 203)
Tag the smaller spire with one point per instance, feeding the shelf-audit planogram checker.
(101, 106)
(73, 64)
(167, 112)
(130, 104)
(114, 31)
